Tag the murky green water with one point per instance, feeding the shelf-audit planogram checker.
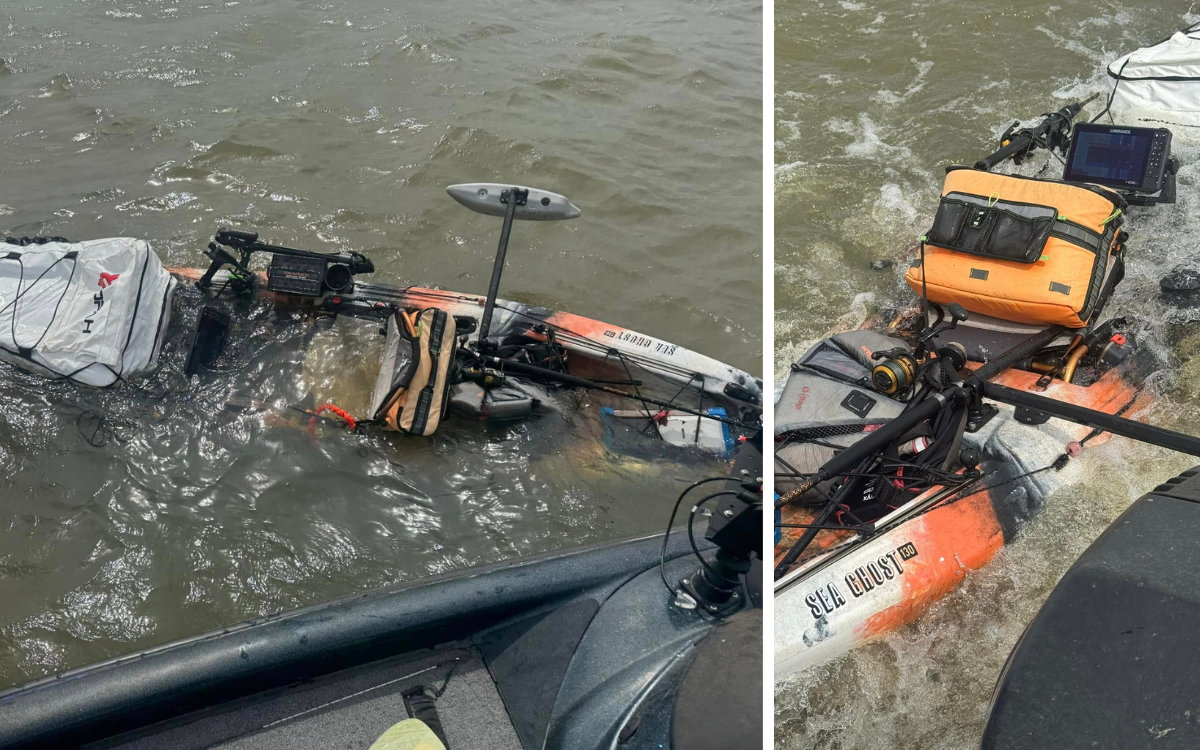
(330, 125)
(873, 101)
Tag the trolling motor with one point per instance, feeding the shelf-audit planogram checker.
(511, 202)
(292, 271)
(1053, 133)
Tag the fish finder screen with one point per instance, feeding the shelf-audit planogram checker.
(1112, 158)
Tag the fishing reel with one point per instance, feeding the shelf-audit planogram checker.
(896, 373)
(900, 368)
(484, 377)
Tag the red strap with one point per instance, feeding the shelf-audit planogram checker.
(351, 423)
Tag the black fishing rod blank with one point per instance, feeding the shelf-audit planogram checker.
(1145, 433)
(508, 365)
(1052, 133)
(850, 457)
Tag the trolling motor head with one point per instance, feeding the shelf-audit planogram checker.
(491, 199)
(511, 202)
(291, 271)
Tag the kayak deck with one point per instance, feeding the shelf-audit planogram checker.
(600, 350)
(845, 590)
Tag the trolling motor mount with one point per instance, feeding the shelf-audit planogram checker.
(1052, 133)
(736, 529)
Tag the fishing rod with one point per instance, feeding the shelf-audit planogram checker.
(918, 412)
(968, 392)
(973, 385)
(1053, 133)
(508, 365)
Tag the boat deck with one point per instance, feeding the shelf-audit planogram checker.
(348, 709)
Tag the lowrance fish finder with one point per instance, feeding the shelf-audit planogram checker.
(1135, 161)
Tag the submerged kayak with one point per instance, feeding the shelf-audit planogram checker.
(99, 312)
(583, 648)
(849, 589)
(598, 349)
(869, 537)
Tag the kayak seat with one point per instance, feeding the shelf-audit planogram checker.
(984, 337)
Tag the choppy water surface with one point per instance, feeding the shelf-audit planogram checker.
(873, 101)
(332, 125)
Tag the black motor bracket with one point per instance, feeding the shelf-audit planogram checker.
(736, 529)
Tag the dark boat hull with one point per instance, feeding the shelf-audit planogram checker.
(578, 646)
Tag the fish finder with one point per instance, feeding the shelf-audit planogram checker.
(1135, 161)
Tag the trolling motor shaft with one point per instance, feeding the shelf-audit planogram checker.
(512, 198)
(512, 202)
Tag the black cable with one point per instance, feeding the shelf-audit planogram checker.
(662, 558)
(1113, 93)
(99, 436)
(691, 534)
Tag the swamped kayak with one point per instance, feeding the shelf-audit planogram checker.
(910, 451)
(98, 312)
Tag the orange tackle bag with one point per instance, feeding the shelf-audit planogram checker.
(1019, 249)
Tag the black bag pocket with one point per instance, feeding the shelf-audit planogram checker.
(993, 228)
(402, 355)
(408, 356)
